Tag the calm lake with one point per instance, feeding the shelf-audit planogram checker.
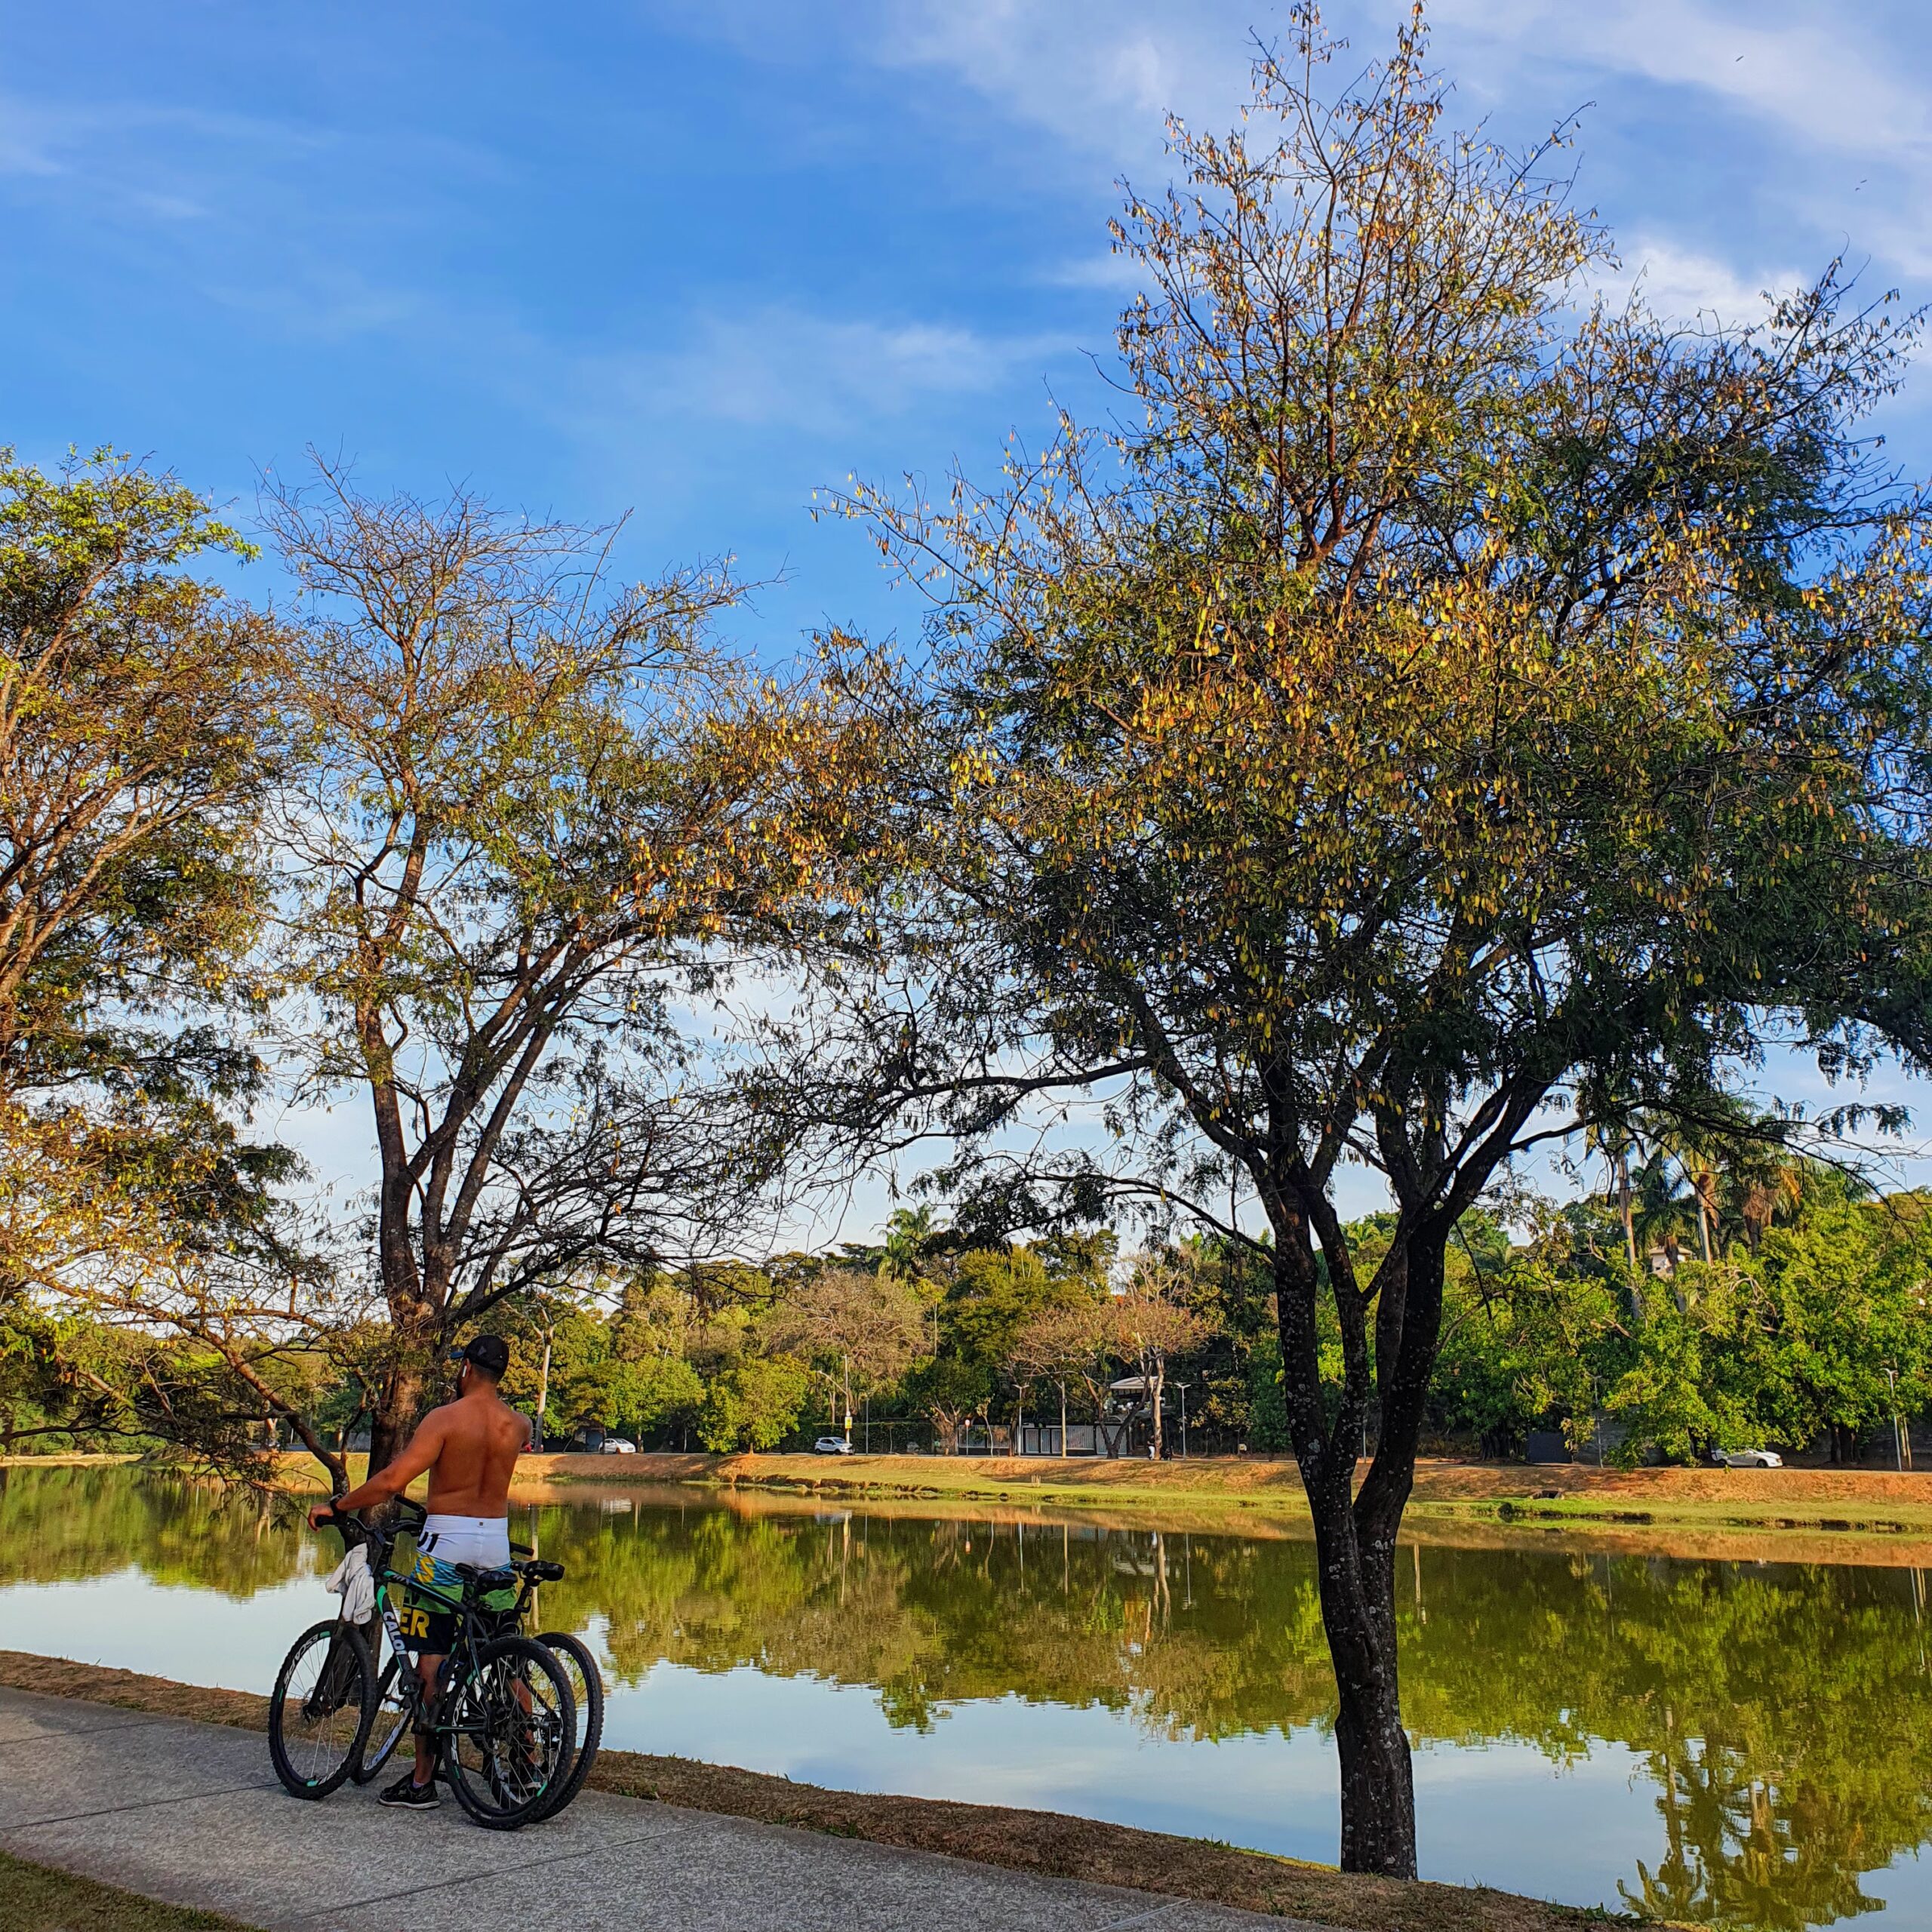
(1748, 1744)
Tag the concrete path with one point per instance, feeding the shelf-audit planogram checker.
(192, 1814)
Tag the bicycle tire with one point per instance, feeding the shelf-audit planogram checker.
(587, 1684)
(503, 1758)
(379, 1746)
(328, 1682)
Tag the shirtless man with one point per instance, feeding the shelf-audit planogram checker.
(469, 1447)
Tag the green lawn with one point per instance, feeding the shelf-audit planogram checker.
(34, 1899)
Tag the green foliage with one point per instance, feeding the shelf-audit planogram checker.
(755, 1404)
(993, 1294)
(140, 732)
(1267, 1429)
(952, 1390)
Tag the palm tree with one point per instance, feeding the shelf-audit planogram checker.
(907, 1234)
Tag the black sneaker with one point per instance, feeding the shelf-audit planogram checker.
(410, 1795)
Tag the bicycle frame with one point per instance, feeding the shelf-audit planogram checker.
(468, 1635)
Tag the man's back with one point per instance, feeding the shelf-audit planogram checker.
(478, 1438)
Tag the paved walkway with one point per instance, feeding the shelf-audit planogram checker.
(192, 1813)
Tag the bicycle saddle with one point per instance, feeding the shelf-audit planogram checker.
(483, 1581)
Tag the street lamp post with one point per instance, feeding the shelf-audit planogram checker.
(1183, 1387)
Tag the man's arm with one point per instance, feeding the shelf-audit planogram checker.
(418, 1453)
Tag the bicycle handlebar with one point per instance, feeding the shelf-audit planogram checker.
(344, 1521)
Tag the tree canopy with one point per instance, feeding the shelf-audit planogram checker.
(1452, 711)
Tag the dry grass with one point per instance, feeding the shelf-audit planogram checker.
(1838, 1504)
(1043, 1842)
(1804, 1502)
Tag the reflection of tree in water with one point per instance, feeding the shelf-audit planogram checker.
(1782, 1711)
(932, 1613)
(58, 1525)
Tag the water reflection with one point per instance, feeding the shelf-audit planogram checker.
(1773, 1716)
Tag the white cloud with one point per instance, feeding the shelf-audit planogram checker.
(1815, 73)
(1828, 107)
(781, 367)
(1100, 74)
(1679, 284)
(1112, 270)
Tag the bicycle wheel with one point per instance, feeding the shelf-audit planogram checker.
(324, 1697)
(510, 1731)
(389, 1726)
(586, 1684)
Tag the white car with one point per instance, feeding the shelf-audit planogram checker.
(832, 1445)
(616, 1445)
(1748, 1459)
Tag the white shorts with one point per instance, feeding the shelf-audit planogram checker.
(482, 1540)
(442, 1543)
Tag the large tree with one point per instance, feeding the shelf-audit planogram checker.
(860, 1331)
(1446, 701)
(140, 729)
(543, 818)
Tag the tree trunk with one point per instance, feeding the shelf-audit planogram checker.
(1355, 1532)
(406, 1391)
(1624, 1204)
(1378, 1784)
(1358, 1617)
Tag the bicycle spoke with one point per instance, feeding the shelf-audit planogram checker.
(322, 1704)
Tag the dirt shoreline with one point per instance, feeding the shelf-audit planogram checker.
(1537, 1528)
(1799, 1515)
(1044, 1841)
(1828, 1515)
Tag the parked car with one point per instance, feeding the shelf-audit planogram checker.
(1748, 1459)
(832, 1445)
(616, 1445)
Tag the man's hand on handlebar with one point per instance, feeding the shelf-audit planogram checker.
(323, 1515)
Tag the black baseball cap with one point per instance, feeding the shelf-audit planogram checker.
(490, 1353)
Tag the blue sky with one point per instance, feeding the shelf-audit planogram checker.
(694, 258)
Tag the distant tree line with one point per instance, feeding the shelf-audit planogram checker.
(1808, 1330)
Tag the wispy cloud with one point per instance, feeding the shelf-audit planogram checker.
(1825, 106)
(784, 367)
(286, 219)
(1098, 75)
(1819, 76)
(1682, 283)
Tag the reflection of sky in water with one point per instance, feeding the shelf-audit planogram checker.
(197, 1636)
(1500, 1813)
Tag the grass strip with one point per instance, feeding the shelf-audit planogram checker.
(1047, 1842)
(36, 1898)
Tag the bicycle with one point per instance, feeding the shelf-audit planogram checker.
(502, 1717)
(395, 1708)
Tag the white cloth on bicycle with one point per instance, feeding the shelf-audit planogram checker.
(351, 1581)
